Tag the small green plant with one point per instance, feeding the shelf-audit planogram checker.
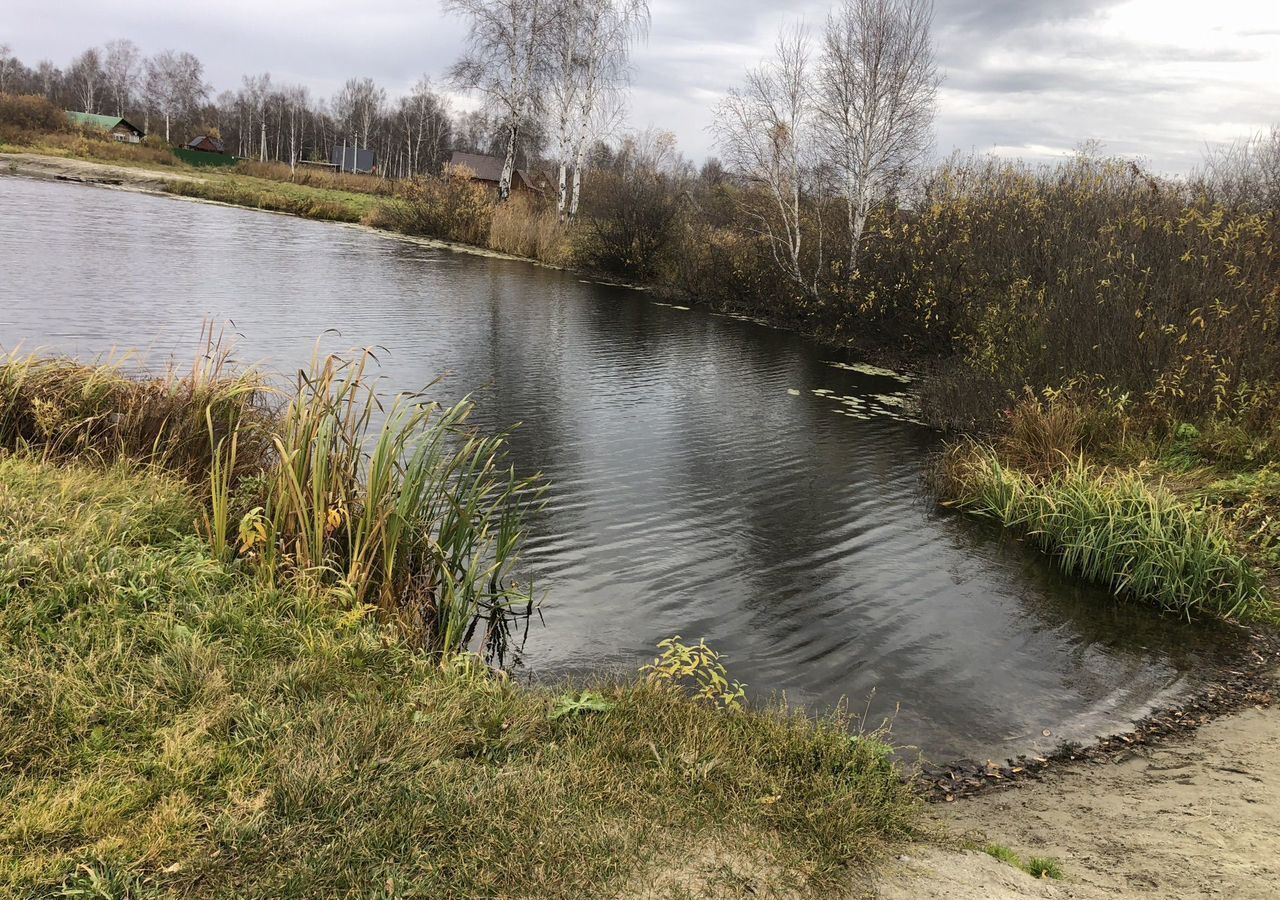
(698, 669)
(579, 704)
(1043, 867)
(102, 881)
(1037, 867)
(1003, 853)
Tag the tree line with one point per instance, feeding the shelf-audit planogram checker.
(550, 74)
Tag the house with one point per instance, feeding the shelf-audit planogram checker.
(488, 171)
(120, 129)
(206, 144)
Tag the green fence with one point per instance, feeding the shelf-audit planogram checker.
(198, 158)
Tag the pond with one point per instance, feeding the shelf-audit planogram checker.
(709, 477)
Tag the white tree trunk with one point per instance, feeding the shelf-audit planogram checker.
(562, 191)
(577, 185)
(509, 164)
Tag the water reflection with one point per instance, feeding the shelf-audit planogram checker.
(690, 492)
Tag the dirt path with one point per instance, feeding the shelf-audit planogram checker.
(60, 168)
(1199, 817)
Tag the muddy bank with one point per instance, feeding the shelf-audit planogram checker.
(1249, 681)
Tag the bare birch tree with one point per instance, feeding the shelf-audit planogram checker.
(86, 77)
(297, 103)
(591, 42)
(877, 85)
(765, 131)
(257, 91)
(424, 117)
(358, 107)
(174, 86)
(121, 64)
(506, 60)
(8, 66)
(1244, 173)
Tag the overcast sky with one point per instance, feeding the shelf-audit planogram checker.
(1033, 78)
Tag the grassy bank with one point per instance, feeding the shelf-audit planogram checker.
(180, 718)
(239, 189)
(1168, 522)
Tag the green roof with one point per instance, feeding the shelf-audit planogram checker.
(106, 123)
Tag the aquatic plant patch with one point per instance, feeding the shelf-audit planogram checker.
(1115, 528)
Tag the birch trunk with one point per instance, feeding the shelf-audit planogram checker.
(509, 164)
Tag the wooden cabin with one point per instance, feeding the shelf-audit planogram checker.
(488, 171)
(118, 128)
(206, 144)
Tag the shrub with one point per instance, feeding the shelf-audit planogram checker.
(628, 224)
(452, 207)
(1089, 277)
(25, 117)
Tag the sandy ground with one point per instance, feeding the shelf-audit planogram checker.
(1199, 817)
(59, 168)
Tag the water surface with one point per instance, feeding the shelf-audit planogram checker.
(699, 485)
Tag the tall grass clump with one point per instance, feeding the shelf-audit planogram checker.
(402, 506)
(530, 228)
(1113, 528)
(103, 411)
(397, 505)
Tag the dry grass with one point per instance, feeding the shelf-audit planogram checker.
(527, 227)
(324, 179)
(69, 409)
(298, 200)
(1042, 436)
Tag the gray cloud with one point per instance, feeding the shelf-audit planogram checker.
(1030, 76)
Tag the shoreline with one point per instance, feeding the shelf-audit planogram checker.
(1222, 694)
(72, 170)
(1252, 681)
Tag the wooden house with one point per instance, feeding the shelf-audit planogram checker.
(488, 171)
(206, 144)
(118, 128)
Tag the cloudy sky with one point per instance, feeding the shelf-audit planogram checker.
(1151, 78)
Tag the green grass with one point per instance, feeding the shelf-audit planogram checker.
(278, 196)
(173, 726)
(1116, 528)
(1036, 866)
(1043, 867)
